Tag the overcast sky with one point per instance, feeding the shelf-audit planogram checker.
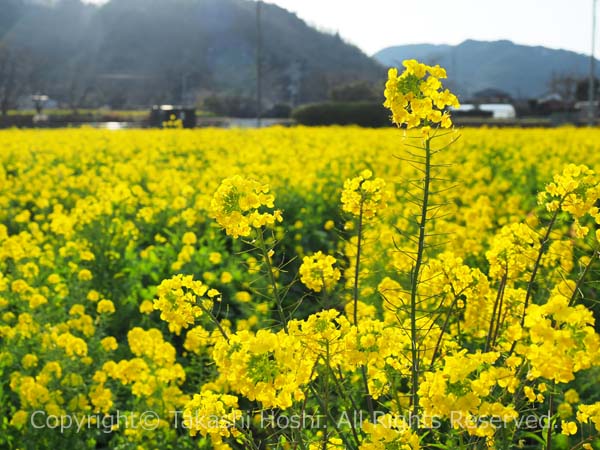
(375, 24)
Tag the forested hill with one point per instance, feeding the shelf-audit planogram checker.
(139, 52)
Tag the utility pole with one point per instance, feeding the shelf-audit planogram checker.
(591, 86)
(258, 64)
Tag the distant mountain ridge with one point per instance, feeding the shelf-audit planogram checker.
(139, 52)
(136, 52)
(521, 71)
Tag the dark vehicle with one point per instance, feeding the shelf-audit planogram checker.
(165, 116)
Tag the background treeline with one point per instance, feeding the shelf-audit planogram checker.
(134, 53)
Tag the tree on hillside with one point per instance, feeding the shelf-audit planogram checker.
(582, 90)
(80, 83)
(564, 85)
(352, 92)
(16, 69)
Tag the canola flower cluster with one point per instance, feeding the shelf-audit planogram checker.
(236, 206)
(317, 272)
(119, 293)
(416, 98)
(222, 408)
(364, 195)
(267, 367)
(178, 301)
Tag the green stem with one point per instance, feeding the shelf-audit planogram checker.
(581, 278)
(550, 427)
(363, 368)
(326, 399)
(342, 435)
(215, 321)
(536, 266)
(357, 265)
(414, 286)
(271, 275)
(247, 438)
(499, 295)
(438, 344)
(499, 320)
(345, 395)
(370, 406)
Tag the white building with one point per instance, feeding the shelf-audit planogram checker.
(498, 110)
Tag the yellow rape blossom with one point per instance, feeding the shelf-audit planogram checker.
(105, 307)
(19, 419)
(189, 238)
(109, 343)
(179, 300)
(364, 195)
(317, 272)
(84, 275)
(390, 431)
(240, 204)
(29, 361)
(268, 367)
(146, 307)
(416, 98)
(212, 414)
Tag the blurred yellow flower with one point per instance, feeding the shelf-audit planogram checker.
(105, 307)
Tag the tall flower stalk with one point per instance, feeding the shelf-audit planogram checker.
(417, 100)
(364, 197)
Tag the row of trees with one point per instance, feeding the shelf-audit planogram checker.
(135, 53)
(15, 76)
(572, 88)
(23, 72)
